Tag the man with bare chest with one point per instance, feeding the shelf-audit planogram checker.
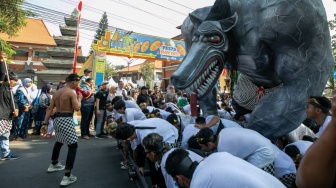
(66, 101)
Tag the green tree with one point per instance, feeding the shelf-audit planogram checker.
(109, 71)
(12, 19)
(103, 25)
(119, 67)
(332, 26)
(147, 71)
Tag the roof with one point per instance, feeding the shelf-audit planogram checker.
(136, 68)
(13, 66)
(35, 32)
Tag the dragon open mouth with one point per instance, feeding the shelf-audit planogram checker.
(206, 79)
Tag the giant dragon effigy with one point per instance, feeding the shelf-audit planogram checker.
(281, 49)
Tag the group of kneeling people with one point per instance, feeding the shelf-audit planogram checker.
(213, 152)
(206, 154)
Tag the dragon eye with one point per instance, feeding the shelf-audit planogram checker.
(214, 39)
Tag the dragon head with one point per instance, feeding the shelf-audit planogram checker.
(206, 58)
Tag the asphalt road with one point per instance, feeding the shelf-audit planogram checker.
(96, 165)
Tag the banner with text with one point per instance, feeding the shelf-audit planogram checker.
(134, 45)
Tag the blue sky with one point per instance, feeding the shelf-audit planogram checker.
(151, 17)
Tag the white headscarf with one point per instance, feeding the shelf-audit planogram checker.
(26, 90)
(16, 86)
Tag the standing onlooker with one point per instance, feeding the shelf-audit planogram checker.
(35, 93)
(61, 84)
(7, 112)
(87, 106)
(23, 99)
(134, 94)
(144, 97)
(112, 93)
(157, 97)
(171, 95)
(121, 91)
(84, 77)
(183, 101)
(318, 110)
(66, 102)
(101, 98)
(44, 102)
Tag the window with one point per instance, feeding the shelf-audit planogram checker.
(41, 54)
(159, 75)
(21, 53)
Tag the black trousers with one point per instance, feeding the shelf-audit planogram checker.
(72, 151)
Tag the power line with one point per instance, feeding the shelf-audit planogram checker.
(155, 15)
(165, 7)
(46, 13)
(180, 4)
(125, 20)
(58, 16)
(57, 19)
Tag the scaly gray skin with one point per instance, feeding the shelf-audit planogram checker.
(208, 103)
(278, 42)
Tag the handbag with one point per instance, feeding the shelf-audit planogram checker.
(35, 103)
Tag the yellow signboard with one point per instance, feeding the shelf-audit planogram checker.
(99, 70)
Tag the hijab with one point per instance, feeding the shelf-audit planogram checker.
(25, 90)
(25, 81)
(45, 89)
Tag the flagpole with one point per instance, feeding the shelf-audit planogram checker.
(79, 8)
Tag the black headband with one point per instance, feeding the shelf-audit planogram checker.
(205, 140)
(317, 104)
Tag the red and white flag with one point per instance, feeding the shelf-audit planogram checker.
(79, 8)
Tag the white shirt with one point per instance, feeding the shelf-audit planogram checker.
(227, 123)
(187, 109)
(283, 164)
(120, 91)
(173, 107)
(299, 132)
(128, 104)
(185, 120)
(135, 142)
(224, 114)
(302, 145)
(247, 144)
(134, 114)
(131, 104)
(170, 183)
(162, 127)
(324, 126)
(189, 131)
(164, 113)
(151, 108)
(224, 170)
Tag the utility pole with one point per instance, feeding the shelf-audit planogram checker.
(129, 62)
